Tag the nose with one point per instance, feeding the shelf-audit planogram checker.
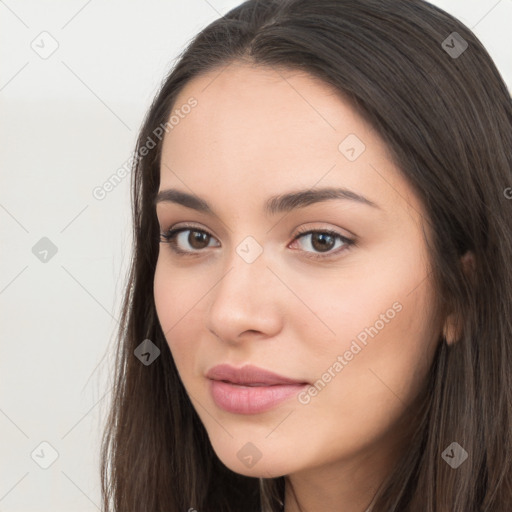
(247, 302)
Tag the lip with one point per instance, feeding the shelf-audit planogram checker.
(250, 390)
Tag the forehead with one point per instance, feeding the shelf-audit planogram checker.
(243, 105)
(263, 130)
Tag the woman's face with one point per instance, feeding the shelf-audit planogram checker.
(346, 312)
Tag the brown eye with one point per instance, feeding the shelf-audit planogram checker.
(323, 243)
(196, 239)
(180, 242)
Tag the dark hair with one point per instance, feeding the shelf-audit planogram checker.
(446, 118)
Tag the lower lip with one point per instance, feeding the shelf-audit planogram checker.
(251, 399)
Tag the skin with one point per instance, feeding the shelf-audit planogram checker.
(254, 133)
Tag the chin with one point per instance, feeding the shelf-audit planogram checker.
(248, 460)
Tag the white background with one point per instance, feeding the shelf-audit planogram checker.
(67, 123)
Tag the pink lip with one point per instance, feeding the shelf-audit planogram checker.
(235, 390)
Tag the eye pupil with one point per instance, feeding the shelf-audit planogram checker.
(326, 241)
(198, 237)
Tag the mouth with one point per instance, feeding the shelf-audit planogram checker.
(247, 384)
(250, 390)
(248, 375)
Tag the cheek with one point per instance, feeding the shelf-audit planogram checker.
(378, 312)
(178, 306)
(385, 337)
(383, 299)
(385, 333)
(178, 294)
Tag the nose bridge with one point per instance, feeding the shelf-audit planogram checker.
(244, 298)
(247, 267)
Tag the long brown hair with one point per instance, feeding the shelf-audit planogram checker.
(438, 101)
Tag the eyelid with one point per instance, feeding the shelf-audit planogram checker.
(338, 231)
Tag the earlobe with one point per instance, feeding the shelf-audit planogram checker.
(468, 264)
(451, 333)
(452, 330)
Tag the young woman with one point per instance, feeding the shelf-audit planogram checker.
(319, 311)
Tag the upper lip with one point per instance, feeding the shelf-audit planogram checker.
(248, 374)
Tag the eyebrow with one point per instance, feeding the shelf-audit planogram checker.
(274, 205)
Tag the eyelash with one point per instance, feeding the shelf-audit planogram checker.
(169, 238)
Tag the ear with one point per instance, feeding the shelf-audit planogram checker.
(451, 332)
(452, 329)
(468, 264)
